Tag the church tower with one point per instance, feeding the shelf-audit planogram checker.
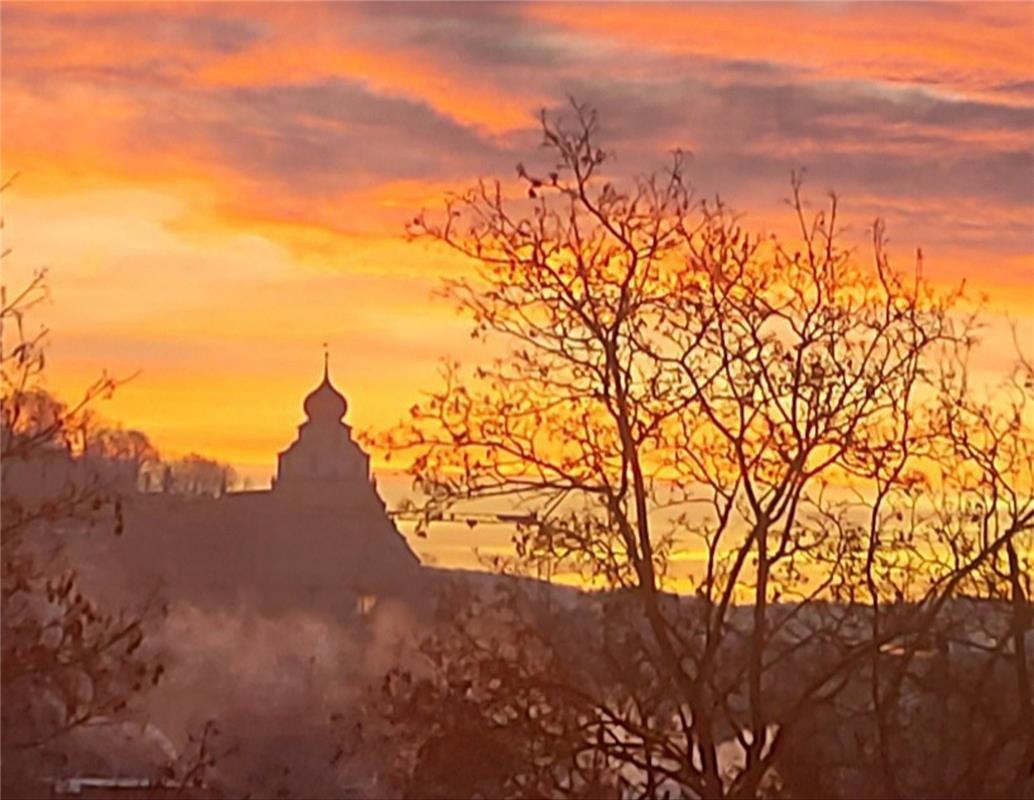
(324, 462)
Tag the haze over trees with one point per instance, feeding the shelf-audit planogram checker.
(68, 662)
(798, 417)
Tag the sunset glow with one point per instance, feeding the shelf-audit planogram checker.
(503, 399)
(217, 189)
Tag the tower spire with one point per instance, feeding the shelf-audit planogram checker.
(325, 402)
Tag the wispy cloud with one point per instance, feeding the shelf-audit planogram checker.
(242, 173)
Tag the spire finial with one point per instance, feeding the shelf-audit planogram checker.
(326, 362)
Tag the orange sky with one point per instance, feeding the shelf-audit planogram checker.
(219, 188)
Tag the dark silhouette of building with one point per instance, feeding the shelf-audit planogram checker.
(319, 536)
(324, 464)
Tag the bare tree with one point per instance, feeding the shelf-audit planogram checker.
(196, 475)
(128, 454)
(66, 662)
(676, 383)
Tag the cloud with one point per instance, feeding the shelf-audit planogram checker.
(337, 134)
(250, 167)
(965, 47)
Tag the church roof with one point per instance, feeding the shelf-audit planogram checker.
(325, 403)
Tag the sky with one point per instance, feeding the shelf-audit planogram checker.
(218, 189)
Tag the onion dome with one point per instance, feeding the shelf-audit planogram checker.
(325, 403)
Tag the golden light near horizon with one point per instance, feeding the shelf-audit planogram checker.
(217, 190)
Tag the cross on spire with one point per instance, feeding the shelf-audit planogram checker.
(326, 362)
